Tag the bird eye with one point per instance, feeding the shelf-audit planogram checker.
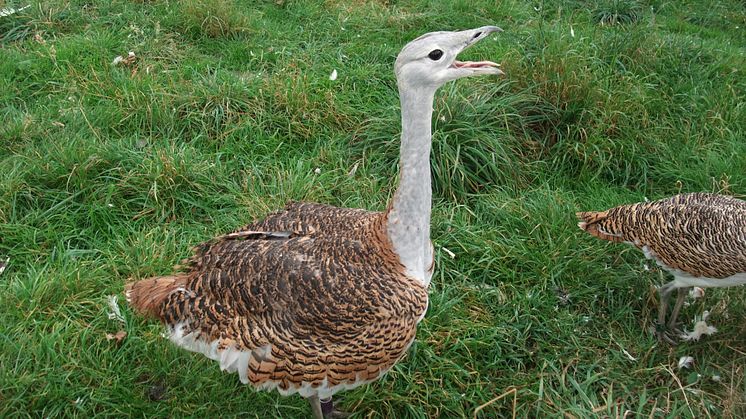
(435, 54)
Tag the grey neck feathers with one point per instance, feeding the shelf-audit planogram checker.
(408, 224)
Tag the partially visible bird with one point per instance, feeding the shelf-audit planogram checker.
(700, 238)
(316, 299)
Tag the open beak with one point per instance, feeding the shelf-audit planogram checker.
(472, 36)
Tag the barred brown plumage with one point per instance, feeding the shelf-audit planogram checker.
(700, 238)
(316, 299)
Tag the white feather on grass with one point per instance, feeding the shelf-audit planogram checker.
(685, 362)
(114, 313)
(11, 10)
(700, 328)
(4, 264)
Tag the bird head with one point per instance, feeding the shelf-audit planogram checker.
(430, 60)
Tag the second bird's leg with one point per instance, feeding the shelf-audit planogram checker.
(327, 407)
(318, 412)
(682, 292)
(664, 291)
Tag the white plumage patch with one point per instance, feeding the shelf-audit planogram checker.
(189, 341)
(230, 359)
(648, 252)
(685, 280)
(235, 360)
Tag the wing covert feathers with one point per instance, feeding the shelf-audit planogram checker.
(699, 234)
(312, 299)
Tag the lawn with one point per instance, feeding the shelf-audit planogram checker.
(111, 172)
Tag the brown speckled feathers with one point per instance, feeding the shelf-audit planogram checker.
(700, 234)
(319, 286)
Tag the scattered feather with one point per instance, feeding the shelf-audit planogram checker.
(700, 328)
(631, 358)
(685, 362)
(696, 292)
(4, 264)
(716, 378)
(333, 76)
(572, 32)
(353, 170)
(317, 170)
(451, 254)
(11, 10)
(118, 337)
(115, 313)
(124, 61)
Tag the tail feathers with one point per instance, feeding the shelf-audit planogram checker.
(147, 296)
(594, 222)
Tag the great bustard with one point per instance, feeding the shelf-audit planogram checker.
(316, 299)
(700, 238)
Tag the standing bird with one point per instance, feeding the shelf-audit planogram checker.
(316, 299)
(700, 238)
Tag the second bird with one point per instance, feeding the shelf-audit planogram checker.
(700, 238)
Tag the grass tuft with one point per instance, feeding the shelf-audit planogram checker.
(212, 18)
(618, 12)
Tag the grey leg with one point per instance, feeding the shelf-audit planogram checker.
(664, 292)
(327, 407)
(316, 407)
(660, 330)
(677, 307)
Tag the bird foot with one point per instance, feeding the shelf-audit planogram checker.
(674, 327)
(330, 412)
(666, 334)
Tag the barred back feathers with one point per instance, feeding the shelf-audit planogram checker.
(700, 238)
(698, 234)
(310, 300)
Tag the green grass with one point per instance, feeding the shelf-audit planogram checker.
(111, 173)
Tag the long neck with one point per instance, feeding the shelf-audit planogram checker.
(408, 223)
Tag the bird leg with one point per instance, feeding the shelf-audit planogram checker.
(318, 412)
(660, 330)
(327, 407)
(682, 292)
